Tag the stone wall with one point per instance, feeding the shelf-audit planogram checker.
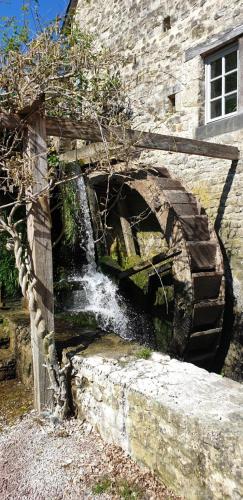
(180, 421)
(7, 350)
(24, 370)
(16, 355)
(153, 67)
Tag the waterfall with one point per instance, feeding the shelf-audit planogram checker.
(94, 291)
(87, 230)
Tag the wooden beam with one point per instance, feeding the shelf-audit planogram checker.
(90, 154)
(157, 259)
(95, 152)
(9, 122)
(90, 131)
(39, 238)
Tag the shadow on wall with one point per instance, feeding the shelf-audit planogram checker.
(229, 316)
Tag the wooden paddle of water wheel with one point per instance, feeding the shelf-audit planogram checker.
(198, 272)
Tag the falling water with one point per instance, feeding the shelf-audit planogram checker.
(95, 292)
(87, 230)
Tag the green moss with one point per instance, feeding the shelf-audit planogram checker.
(140, 279)
(62, 285)
(163, 333)
(151, 243)
(70, 209)
(203, 192)
(101, 487)
(131, 261)
(111, 346)
(122, 488)
(164, 295)
(114, 250)
(144, 353)
(107, 264)
(8, 272)
(129, 491)
(117, 251)
(81, 319)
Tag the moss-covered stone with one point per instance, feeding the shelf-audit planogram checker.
(164, 295)
(151, 243)
(112, 346)
(163, 333)
(80, 319)
(140, 279)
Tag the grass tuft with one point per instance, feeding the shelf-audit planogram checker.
(102, 486)
(128, 491)
(144, 353)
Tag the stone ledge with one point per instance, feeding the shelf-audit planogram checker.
(215, 42)
(182, 422)
(220, 127)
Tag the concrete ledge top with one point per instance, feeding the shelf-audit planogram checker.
(180, 386)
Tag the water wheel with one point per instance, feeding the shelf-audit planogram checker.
(198, 272)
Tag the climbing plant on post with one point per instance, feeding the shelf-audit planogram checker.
(78, 81)
(40, 245)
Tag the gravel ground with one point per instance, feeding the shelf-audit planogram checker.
(69, 461)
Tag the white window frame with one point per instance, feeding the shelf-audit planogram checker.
(216, 55)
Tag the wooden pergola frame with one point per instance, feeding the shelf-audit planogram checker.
(38, 127)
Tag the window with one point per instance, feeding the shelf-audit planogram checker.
(172, 103)
(166, 24)
(222, 84)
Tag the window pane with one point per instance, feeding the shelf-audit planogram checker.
(231, 82)
(216, 68)
(216, 88)
(230, 104)
(216, 108)
(231, 61)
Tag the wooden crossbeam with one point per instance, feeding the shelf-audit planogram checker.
(142, 266)
(10, 122)
(90, 154)
(166, 262)
(91, 131)
(145, 140)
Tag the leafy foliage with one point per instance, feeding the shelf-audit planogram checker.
(8, 272)
(70, 208)
(66, 70)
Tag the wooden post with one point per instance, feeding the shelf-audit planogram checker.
(126, 229)
(39, 238)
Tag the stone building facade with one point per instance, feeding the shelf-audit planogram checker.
(166, 49)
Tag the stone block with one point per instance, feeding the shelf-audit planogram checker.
(183, 423)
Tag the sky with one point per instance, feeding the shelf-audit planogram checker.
(49, 9)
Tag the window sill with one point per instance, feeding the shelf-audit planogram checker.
(219, 127)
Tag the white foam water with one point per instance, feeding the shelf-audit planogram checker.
(96, 292)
